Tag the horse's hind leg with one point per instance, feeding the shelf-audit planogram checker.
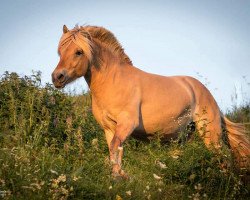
(208, 122)
(209, 128)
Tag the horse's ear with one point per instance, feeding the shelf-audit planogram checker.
(65, 29)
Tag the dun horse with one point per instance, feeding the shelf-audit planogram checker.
(128, 101)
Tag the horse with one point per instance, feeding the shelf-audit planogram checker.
(127, 101)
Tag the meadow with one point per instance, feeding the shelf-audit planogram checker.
(52, 148)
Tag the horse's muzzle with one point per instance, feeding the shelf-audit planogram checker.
(59, 79)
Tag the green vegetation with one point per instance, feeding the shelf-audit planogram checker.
(52, 148)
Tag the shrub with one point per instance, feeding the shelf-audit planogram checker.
(52, 148)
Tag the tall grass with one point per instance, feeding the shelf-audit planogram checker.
(52, 148)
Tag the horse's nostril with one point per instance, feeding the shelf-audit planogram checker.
(60, 77)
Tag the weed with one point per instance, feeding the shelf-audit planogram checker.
(52, 148)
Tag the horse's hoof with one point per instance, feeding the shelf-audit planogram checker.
(116, 177)
(124, 175)
(120, 176)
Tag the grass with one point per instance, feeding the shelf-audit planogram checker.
(52, 148)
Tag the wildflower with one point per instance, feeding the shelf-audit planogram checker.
(75, 178)
(198, 186)
(52, 100)
(5, 193)
(37, 185)
(175, 154)
(54, 183)
(118, 197)
(175, 157)
(66, 147)
(161, 165)
(110, 187)
(159, 189)
(160, 182)
(128, 193)
(61, 178)
(196, 196)
(94, 142)
(147, 187)
(69, 121)
(192, 177)
(157, 177)
(64, 191)
(2, 182)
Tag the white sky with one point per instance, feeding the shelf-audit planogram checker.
(209, 40)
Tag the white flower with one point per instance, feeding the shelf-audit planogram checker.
(175, 157)
(128, 193)
(61, 178)
(157, 177)
(53, 172)
(110, 187)
(198, 186)
(161, 165)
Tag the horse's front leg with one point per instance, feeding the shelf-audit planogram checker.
(125, 126)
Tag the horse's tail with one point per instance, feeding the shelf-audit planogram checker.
(239, 142)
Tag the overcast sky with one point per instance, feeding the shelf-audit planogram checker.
(209, 40)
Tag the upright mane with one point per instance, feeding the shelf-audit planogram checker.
(84, 37)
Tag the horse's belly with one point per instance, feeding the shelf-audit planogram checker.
(165, 130)
(164, 123)
(166, 126)
(166, 106)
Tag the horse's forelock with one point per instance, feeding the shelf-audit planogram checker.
(80, 38)
(84, 43)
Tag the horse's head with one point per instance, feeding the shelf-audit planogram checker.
(75, 51)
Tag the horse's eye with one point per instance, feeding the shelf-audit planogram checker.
(78, 53)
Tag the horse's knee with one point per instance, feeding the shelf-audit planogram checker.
(125, 127)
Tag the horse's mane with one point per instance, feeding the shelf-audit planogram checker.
(84, 36)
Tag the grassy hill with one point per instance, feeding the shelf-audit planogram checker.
(52, 148)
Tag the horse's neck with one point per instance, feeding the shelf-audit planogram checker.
(97, 78)
(99, 67)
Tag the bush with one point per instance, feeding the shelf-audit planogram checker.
(52, 148)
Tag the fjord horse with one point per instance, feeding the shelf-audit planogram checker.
(128, 101)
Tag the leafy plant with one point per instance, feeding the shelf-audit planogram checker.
(52, 148)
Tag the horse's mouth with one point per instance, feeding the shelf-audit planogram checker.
(62, 84)
(59, 86)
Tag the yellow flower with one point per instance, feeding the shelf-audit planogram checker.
(118, 197)
(94, 142)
